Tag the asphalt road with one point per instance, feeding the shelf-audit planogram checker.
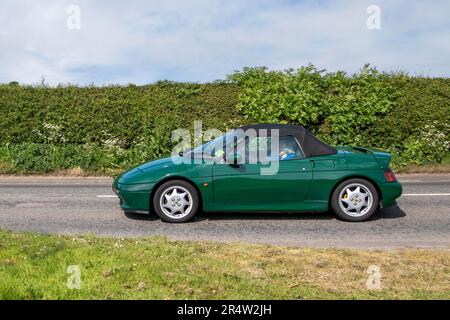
(73, 206)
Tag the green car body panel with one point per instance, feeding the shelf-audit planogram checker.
(299, 185)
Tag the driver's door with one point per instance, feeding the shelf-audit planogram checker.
(245, 187)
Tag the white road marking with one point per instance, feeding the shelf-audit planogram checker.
(425, 194)
(106, 196)
(423, 181)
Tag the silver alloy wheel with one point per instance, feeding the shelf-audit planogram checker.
(176, 202)
(355, 200)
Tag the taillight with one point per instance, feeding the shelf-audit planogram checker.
(390, 176)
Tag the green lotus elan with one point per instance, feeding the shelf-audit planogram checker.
(262, 168)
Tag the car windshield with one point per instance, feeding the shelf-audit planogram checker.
(214, 148)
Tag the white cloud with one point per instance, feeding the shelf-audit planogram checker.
(143, 41)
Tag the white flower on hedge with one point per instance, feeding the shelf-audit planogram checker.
(51, 133)
(429, 146)
(111, 141)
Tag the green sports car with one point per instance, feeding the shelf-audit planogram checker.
(262, 168)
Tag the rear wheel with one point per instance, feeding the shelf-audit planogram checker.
(176, 201)
(355, 200)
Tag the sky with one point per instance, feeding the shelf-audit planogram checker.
(135, 41)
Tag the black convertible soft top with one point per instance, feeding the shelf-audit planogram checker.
(311, 145)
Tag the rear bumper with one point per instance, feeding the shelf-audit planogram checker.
(390, 191)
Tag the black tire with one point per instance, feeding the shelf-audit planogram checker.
(342, 214)
(170, 185)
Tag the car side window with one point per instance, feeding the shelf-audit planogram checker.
(289, 149)
(260, 148)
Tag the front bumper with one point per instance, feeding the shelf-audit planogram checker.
(390, 191)
(134, 197)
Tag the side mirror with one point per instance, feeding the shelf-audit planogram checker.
(235, 159)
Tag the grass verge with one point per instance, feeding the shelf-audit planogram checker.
(443, 167)
(35, 267)
(437, 168)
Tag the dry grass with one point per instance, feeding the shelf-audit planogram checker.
(438, 168)
(7, 171)
(345, 272)
(5, 167)
(443, 167)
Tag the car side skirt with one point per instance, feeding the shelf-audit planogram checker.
(307, 206)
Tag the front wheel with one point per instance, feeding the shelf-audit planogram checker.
(355, 200)
(176, 201)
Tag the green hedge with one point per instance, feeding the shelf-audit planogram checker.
(37, 157)
(407, 116)
(43, 129)
(122, 116)
(417, 128)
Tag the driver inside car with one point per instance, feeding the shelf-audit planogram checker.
(287, 149)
